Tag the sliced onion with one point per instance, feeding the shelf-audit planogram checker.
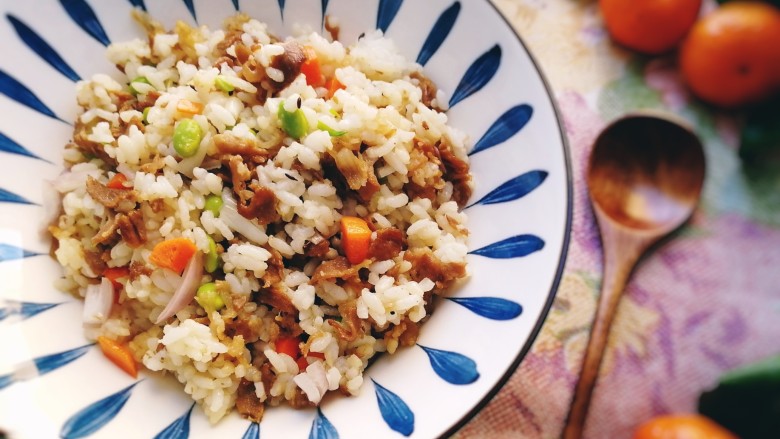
(317, 373)
(230, 216)
(186, 291)
(71, 180)
(309, 387)
(98, 300)
(52, 204)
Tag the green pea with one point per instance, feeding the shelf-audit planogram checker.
(213, 204)
(294, 123)
(140, 79)
(208, 297)
(331, 131)
(212, 257)
(223, 85)
(186, 137)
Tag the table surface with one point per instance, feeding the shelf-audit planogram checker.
(704, 302)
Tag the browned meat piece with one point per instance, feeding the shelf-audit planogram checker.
(289, 63)
(423, 184)
(249, 328)
(425, 264)
(147, 100)
(351, 327)
(317, 247)
(80, 133)
(153, 166)
(228, 143)
(122, 200)
(333, 29)
(275, 271)
(352, 167)
(247, 402)
(300, 400)
(428, 89)
(188, 37)
(107, 233)
(457, 171)
(336, 268)
(239, 174)
(157, 205)
(387, 245)
(123, 100)
(95, 262)
(406, 333)
(262, 205)
(276, 298)
(137, 269)
(371, 187)
(132, 228)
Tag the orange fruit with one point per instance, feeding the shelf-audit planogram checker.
(731, 57)
(682, 427)
(649, 26)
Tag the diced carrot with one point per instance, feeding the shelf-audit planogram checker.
(302, 363)
(355, 238)
(119, 354)
(173, 254)
(333, 85)
(189, 108)
(288, 345)
(115, 273)
(117, 181)
(311, 69)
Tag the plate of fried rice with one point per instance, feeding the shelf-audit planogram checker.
(272, 218)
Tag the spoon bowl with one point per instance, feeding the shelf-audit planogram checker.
(645, 177)
(646, 173)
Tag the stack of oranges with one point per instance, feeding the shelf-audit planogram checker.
(729, 57)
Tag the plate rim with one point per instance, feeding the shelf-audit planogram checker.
(559, 271)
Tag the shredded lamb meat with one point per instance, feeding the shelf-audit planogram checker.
(387, 245)
(120, 199)
(262, 206)
(247, 402)
(425, 264)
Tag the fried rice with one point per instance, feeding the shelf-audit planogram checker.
(294, 136)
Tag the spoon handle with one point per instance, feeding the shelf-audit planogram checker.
(620, 256)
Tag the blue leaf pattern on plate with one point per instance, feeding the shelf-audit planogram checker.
(24, 309)
(93, 417)
(9, 146)
(253, 432)
(9, 253)
(452, 367)
(477, 75)
(191, 7)
(15, 90)
(86, 19)
(509, 124)
(138, 4)
(514, 247)
(51, 362)
(515, 188)
(10, 197)
(5, 381)
(281, 8)
(178, 429)
(235, 4)
(494, 308)
(394, 410)
(439, 33)
(42, 48)
(321, 428)
(324, 4)
(386, 13)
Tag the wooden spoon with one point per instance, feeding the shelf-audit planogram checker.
(645, 177)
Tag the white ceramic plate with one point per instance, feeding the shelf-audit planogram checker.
(55, 383)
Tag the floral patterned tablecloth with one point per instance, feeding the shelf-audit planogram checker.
(705, 301)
